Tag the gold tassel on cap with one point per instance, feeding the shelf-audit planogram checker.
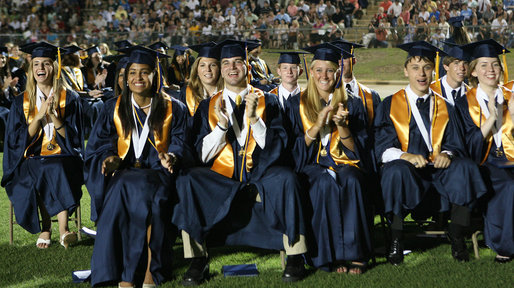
(351, 61)
(505, 70)
(437, 60)
(59, 62)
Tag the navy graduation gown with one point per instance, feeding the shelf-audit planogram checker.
(125, 204)
(416, 183)
(499, 216)
(337, 209)
(56, 179)
(211, 202)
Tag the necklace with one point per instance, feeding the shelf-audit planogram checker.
(144, 107)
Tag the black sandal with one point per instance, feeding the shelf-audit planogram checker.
(502, 259)
(354, 266)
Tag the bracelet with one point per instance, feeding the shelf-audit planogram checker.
(57, 129)
(221, 128)
(309, 136)
(344, 138)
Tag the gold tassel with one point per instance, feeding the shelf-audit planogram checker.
(437, 60)
(158, 74)
(505, 70)
(59, 62)
(249, 74)
(351, 61)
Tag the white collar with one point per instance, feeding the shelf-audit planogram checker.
(282, 91)
(232, 95)
(414, 96)
(481, 94)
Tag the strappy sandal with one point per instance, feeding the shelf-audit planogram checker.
(68, 238)
(47, 242)
(340, 267)
(355, 266)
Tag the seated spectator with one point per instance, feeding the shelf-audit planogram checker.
(394, 11)
(466, 13)
(381, 34)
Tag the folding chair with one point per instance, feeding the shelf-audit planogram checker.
(75, 217)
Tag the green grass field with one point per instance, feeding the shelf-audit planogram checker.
(430, 264)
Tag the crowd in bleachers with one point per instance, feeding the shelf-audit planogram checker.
(404, 21)
(279, 24)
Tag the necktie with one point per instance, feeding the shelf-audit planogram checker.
(238, 100)
(419, 102)
(454, 94)
(349, 88)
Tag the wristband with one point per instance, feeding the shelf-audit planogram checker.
(221, 128)
(344, 138)
(57, 129)
(309, 136)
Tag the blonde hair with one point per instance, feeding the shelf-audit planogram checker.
(196, 84)
(312, 99)
(31, 85)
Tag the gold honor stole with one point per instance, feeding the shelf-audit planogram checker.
(191, 101)
(161, 143)
(336, 154)
(475, 111)
(48, 147)
(367, 101)
(224, 162)
(274, 91)
(401, 115)
(436, 87)
(79, 84)
(509, 85)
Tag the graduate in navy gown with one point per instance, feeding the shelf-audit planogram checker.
(452, 86)
(289, 70)
(418, 143)
(262, 77)
(43, 149)
(179, 72)
(487, 111)
(131, 160)
(205, 78)
(240, 197)
(329, 129)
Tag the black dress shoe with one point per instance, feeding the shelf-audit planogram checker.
(459, 249)
(295, 269)
(197, 273)
(395, 255)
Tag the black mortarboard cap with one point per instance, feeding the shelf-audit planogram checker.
(327, 52)
(346, 45)
(422, 49)
(456, 21)
(485, 48)
(94, 49)
(291, 57)
(179, 50)
(123, 44)
(233, 48)
(456, 51)
(142, 55)
(159, 45)
(41, 49)
(71, 49)
(207, 50)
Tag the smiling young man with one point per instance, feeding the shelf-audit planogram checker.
(240, 196)
(419, 146)
(289, 69)
(451, 86)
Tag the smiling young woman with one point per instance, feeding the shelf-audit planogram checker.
(42, 163)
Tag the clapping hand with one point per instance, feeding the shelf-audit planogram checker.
(168, 160)
(221, 112)
(341, 116)
(110, 164)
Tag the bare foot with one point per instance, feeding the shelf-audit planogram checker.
(357, 268)
(43, 241)
(341, 269)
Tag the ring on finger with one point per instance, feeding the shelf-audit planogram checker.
(415, 163)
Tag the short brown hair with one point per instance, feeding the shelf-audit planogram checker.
(409, 59)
